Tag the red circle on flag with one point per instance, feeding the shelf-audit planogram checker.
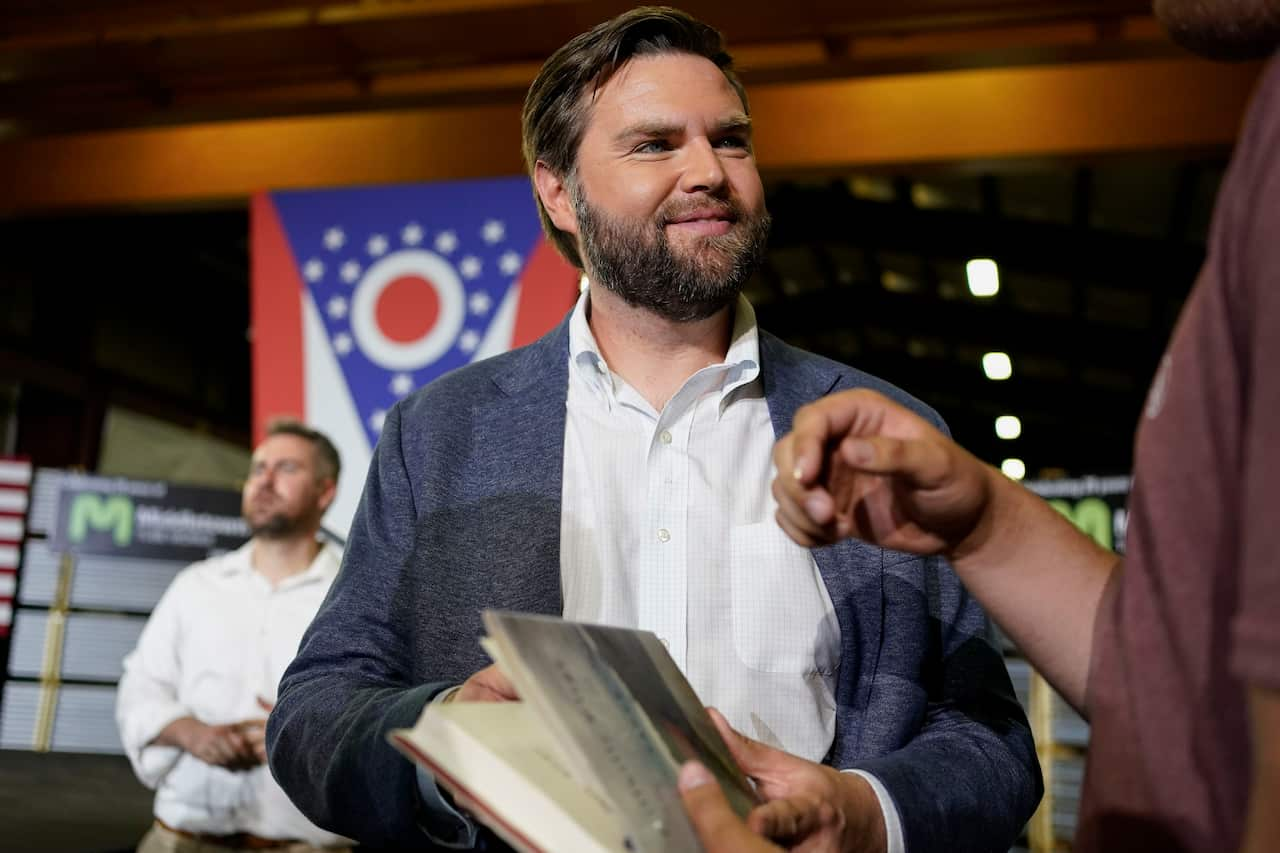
(407, 309)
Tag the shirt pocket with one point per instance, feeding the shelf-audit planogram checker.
(783, 621)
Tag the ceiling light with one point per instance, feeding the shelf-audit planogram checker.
(997, 365)
(1014, 469)
(1008, 427)
(984, 277)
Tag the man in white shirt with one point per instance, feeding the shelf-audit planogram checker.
(618, 471)
(193, 701)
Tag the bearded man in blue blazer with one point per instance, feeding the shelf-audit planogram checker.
(619, 471)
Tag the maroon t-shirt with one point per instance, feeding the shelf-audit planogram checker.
(1193, 620)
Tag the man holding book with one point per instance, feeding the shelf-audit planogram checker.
(618, 471)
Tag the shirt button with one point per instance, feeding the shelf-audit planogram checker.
(601, 366)
(664, 535)
(665, 437)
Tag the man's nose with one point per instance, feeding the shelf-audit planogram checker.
(703, 170)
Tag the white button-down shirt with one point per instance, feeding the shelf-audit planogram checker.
(220, 637)
(667, 524)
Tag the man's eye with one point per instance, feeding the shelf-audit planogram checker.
(653, 146)
(737, 142)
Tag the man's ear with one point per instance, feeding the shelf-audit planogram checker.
(556, 198)
(327, 493)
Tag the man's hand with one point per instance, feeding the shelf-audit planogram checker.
(235, 746)
(718, 828)
(808, 807)
(487, 685)
(857, 464)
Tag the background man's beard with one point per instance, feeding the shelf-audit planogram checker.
(637, 262)
(276, 526)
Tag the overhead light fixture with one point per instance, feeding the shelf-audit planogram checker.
(984, 277)
(1014, 469)
(997, 365)
(1008, 427)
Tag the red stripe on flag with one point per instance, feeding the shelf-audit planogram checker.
(548, 289)
(276, 318)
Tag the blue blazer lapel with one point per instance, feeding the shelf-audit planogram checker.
(521, 433)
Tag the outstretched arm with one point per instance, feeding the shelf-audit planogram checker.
(857, 464)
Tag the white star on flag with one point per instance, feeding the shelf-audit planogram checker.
(493, 232)
(337, 307)
(509, 263)
(313, 270)
(470, 266)
(334, 239)
(401, 384)
(377, 419)
(468, 341)
(412, 234)
(446, 241)
(342, 343)
(350, 272)
(377, 245)
(480, 302)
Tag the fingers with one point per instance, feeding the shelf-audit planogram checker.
(756, 759)
(718, 828)
(266, 704)
(791, 818)
(921, 462)
(254, 735)
(807, 517)
(488, 685)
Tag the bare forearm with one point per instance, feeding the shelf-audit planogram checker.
(1041, 580)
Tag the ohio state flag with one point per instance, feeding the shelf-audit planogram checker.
(359, 296)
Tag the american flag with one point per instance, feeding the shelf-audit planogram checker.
(398, 285)
(15, 487)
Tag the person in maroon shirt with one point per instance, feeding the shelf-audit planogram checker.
(1173, 653)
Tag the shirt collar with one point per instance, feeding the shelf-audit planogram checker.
(239, 563)
(740, 366)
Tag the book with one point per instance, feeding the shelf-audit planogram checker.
(588, 759)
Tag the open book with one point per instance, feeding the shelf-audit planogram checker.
(588, 760)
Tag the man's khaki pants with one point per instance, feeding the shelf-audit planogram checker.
(161, 839)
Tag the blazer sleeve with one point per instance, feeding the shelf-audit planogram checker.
(969, 779)
(351, 682)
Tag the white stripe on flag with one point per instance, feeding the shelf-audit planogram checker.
(330, 409)
(13, 500)
(6, 614)
(15, 472)
(503, 327)
(8, 584)
(8, 556)
(10, 529)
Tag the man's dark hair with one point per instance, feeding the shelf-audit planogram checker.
(328, 462)
(558, 103)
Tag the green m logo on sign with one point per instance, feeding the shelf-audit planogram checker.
(1091, 515)
(103, 513)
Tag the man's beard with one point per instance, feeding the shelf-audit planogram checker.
(636, 261)
(277, 525)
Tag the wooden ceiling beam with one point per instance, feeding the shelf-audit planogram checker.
(1080, 109)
